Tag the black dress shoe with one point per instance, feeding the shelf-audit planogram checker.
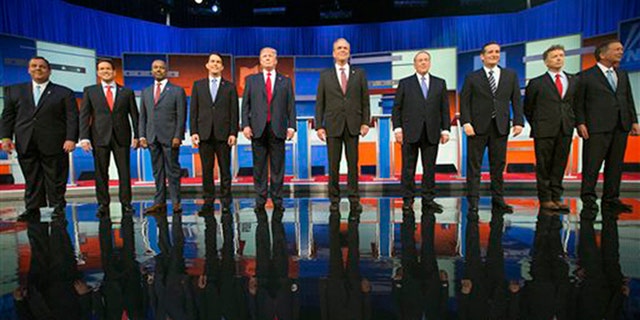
(473, 216)
(58, 213)
(30, 215)
(354, 216)
(226, 210)
(277, 215)
(432, 206)
(206, 210)
(502, 207)
(616, 205)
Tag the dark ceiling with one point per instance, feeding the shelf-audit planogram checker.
(237, 13)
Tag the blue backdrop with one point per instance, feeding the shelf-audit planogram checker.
(57, 21)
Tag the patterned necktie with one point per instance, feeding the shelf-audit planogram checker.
(109, 97)
(612, 81)
(425, 89)
(156, 96)
(343, 80)
(36, 98)
(267, 85)
(214, 89)
(559, 85)
(492, 83)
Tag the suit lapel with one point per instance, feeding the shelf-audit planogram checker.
(205, 87)
(501, 83)
(164, 92)
(551, 85)
(336, 81)
(116, 98)
(103, 97)
(352, 75)
(485, 80)
(45, 94)
(603, 79)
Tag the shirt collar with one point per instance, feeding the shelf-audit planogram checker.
(495, 69)
(553, 74)
(604, 69)
(42, 85)
(272, 72)
(338, 67)
(112, 83)
(162, 83)
(426, 76)
(217, 79)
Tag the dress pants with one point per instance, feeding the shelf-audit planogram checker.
(164, 161)
(45, 177)
(551, 160)
(497, 144)
(608, 147)
(428, 154)
(209, 151)
(334, 152)
(102, 157)
(268, 149)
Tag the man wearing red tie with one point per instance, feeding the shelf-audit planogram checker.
(268, 119)
(106, 110)
(548, 106)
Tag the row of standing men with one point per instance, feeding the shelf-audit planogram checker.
(43, 116)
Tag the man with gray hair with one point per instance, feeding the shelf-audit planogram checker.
(421, 120)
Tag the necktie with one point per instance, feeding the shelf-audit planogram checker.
(214, 89)
(492, 83)
(156, 96)
(36, 98)
(559, 85)
(110, 98)
(269, 95)
(343, 81)
(494, 88)
(612, 81)
(423, 85)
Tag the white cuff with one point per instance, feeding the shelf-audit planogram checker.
(445, 132)
(85, 140)
(397, 130)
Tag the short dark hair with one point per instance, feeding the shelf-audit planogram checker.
(217, 54)
(484, 46)
(554, 47)
(602, 47)
(109, 61)
(43, 59)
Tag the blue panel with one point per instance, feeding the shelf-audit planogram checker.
(319, 157)
(380, 71)
(14, 59)
(139, 62)
(630, 37)
(384, 209)
(82, 161)
(303, 150)
(186, 159)
(288, 159)
(147, 172)
(386, 103)
(306, 108)
(384, 147)
(303, 216)
(245, 157)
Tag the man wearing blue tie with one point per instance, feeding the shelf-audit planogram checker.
(214, 128)
(605, 113)
(421, 121)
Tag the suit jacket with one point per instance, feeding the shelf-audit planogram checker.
(54, 121)
(599, 107)
(412, 112)
(336, 111)
(166, 120)
(546, 111)
(254, 105)
(98, 123)
(214, 119)
(477, 102)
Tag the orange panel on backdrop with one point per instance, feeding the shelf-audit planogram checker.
(631, 154)
(189, 67)
(367, 154)
(520, 152)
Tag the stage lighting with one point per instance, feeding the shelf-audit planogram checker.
(215, 7)
(198, 1)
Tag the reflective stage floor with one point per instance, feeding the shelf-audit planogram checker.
(311, 264)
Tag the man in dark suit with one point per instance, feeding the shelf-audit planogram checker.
(484, 113)
(342, 113)
(214, 128)
(548, 105)
(104, 127)
(605, 113)
(44, 118)
(421, 109)
(268, 119)
(162, 120)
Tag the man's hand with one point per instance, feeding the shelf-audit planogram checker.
(247, 132)
(202, 281)
(290, 133)
(195, 139)
(517, 130)
(7, 145)
(468, 130)
(635, 129)
(398, 135)
(175, 143)
(69, 146)
(135, 143)
(86, 146)
(364, 129)
(81, 287)
(322, 134)
(583, 132)
(143, 143)
(444, 138)
(231, 141)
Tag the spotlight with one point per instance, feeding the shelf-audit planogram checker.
(215, 7)
(198, 1)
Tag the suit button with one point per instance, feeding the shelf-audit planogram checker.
(35, 119)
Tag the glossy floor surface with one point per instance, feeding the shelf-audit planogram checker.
(312, 264)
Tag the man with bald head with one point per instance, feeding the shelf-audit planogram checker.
(342, 114)
(162, 120)
(421, 120)
(268, 119)
(605, 113)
